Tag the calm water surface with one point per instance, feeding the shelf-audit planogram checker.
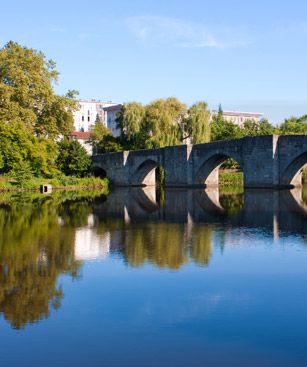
(149, 278)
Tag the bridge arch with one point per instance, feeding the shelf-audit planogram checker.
(145, 173)
(292, 175)
(98, 171)
(208, 171)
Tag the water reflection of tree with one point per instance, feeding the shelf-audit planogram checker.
(232, 203)
(166, 245)
(35, 248)
(160, 243)
(201, 244)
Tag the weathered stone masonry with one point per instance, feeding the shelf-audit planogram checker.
(270, 161)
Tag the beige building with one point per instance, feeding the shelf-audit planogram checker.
(239, 118)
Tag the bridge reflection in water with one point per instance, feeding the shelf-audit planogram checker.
(169, 228)
(274, 211)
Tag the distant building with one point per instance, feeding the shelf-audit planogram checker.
(239, 118)
(110, 114)
(87, 114)
(83, 138)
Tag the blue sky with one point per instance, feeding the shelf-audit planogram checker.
(247, 55)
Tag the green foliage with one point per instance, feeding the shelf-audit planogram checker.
(129, 121)
(234, 178)
(18, 146)
(162, 123)
(160, 175)
(108, 144)
(222, 129)
(72, 159)
(58, 181)
(26, 92)
(22, 173)
(197, 123)
(98, 132)
(294, 125)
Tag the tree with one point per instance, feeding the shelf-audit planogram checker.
(108, 144)
(129, 122)
(251, 128)
(223, 130)
(73, 159)
(26, 92)
(265, 128)
(98, 132)
(294, 125)
(197, 123)
(254, 128)
(20, 149)
(162, 123)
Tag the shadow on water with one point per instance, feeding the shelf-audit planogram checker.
(43, 237)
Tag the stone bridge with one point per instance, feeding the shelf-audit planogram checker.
(270, 161)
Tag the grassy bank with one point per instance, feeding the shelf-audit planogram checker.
(231, 178)
(235, 178)
(59, 183)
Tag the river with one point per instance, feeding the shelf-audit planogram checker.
(144, 277)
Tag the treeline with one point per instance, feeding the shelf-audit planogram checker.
(165, 122)
(35, 122)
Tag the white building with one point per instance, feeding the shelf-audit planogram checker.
(110, 115)
(83, 138)
(87, 114)
(239, 118)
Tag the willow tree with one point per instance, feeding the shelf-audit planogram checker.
(162, 122)
(27, 95)
(197, 123)
(129, 121)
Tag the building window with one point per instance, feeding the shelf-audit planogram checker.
(88, 112)
(88, 119)
(82, 118)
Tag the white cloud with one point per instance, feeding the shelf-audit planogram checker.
(176, 32)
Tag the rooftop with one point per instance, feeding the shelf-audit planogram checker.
(113, 108)
(239, 113)
(81, 135)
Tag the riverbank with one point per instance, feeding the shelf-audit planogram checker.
(231, 178)
(236, 178)
(8, 184)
